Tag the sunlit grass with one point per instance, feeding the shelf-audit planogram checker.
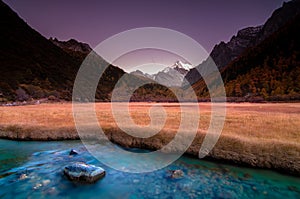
(257, 131)
(277, 122)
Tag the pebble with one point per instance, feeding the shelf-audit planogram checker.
(292, 188)
(38, 185)
(52, 191)
(23, 176)
(247, 175)
(45, 182)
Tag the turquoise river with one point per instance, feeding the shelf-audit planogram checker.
(31, 169)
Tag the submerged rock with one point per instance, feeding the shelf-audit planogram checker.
(23, 176)
(73, 152)
(82, 172)
(176, 174)
(247, 175)
(45, 182)
(37, 186)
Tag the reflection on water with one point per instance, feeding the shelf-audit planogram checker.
(34, 170)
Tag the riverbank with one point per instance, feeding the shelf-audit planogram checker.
(256, 135)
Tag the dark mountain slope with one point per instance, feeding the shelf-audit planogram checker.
(270, 70)
(278, 19)
(33, 67)
(150, 92)
(224, 53)
(27, 57)
(74, 48)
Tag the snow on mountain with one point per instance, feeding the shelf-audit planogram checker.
(180, 64)
(140, 73)
(169, 76)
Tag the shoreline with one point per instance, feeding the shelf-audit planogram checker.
(283, 165)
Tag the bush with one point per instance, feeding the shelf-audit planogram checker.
(21, 95)
(52, 98)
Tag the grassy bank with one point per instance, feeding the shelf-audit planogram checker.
(258, 135)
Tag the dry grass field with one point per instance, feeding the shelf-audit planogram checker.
(262, 135)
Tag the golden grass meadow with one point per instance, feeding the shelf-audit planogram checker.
(263, 135)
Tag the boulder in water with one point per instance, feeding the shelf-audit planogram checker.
(83, 172)
(73, 152)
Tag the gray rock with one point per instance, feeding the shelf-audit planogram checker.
(73, 152)
(176, 174)
(83, 172)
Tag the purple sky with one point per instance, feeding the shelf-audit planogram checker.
(208, 22)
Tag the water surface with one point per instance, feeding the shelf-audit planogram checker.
(42, 164)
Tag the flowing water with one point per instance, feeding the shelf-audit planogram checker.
(34, 170)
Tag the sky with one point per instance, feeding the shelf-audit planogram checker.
(206, 21)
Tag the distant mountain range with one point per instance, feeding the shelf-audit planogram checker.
(259, 63)
(172, 76)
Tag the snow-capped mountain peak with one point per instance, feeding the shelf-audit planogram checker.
(166, 70)
(184, 65)
(169, 76)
